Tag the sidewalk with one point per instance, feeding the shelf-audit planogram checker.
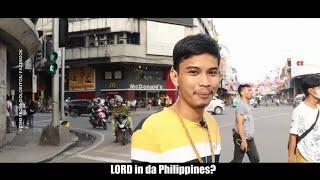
(24, 147)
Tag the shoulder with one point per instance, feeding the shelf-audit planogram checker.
(155, 120)
(299, 109)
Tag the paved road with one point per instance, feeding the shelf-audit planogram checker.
(272, 126)
(103, 149)
(271, 136)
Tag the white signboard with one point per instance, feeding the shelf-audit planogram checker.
(141, 86)
(28, 64)
(34, 84)
(308, 67)
(161, 37)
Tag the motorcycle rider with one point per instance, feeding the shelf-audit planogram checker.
(120, 109)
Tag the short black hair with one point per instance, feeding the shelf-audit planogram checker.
(241, 87)
(310, 81)
(194, 45)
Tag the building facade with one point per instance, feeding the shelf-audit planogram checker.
(18, 42)
(126, 56)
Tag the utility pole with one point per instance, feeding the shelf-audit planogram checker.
(55, 79)
(62, 82)
(55, 134)
(34, 79)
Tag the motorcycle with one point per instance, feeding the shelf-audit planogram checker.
(98, 117)
(122, 128)
(41, 109)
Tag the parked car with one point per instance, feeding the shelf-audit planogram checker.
(216, 106)
(80, 106)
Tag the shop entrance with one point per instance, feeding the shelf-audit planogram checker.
(154, 95)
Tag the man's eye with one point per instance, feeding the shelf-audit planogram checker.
(193, 72)
(214, 73)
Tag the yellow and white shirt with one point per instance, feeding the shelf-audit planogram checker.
(162, 138)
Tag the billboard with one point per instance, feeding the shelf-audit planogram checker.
(82, 78)
(162, 37)
(304, 66)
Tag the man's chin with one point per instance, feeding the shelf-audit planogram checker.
(202, 105)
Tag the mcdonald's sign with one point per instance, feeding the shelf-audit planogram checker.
(112, 85)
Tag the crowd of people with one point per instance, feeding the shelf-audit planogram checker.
(28, 109)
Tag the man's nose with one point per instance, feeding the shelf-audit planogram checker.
(204, 80)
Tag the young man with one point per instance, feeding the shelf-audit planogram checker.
(120, 109)
(184, 132)
(305, 124)
(244, 128)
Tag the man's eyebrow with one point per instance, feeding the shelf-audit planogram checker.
(195, 67)
(213, 68)
(192, 67)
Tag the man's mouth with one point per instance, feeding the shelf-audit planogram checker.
(203, 94)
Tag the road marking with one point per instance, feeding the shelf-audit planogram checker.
(46, 120)
(117, 154)
(264, 117)
(43, 115)
(104, 159)
(91, 147)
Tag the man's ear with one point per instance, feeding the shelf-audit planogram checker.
(174, 77)
(241, 94)
(311, 91)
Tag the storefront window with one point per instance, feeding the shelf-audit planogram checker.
(140, 96)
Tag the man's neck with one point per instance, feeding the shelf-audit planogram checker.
(187, 112)
(311, 102)
(244, 99)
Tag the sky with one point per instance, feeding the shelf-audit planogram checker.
(258, 46)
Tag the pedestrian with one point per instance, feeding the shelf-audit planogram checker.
(159, 103)
(184, 132)
(129, 104)
(149, 104)
(68, 100)
(16, 113)
(134, 104)
(8, 114)
(244, 128)
(167, 101)
(304, 135)
(162, 99)
(24, 114)
(31, 110)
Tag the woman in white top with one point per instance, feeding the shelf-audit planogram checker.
(24, 114)
(15, 111)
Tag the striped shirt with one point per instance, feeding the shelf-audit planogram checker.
(161, 138)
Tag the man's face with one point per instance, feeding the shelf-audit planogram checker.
(246, 92)
(197, 79)
(315, 92)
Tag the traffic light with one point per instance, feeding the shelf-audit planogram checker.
(300, 63)
(289, 62)
(63, 32)
(52, 66)
(39, 55)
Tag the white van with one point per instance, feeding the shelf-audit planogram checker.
(216, 106)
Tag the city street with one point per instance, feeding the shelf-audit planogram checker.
(272, 126)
